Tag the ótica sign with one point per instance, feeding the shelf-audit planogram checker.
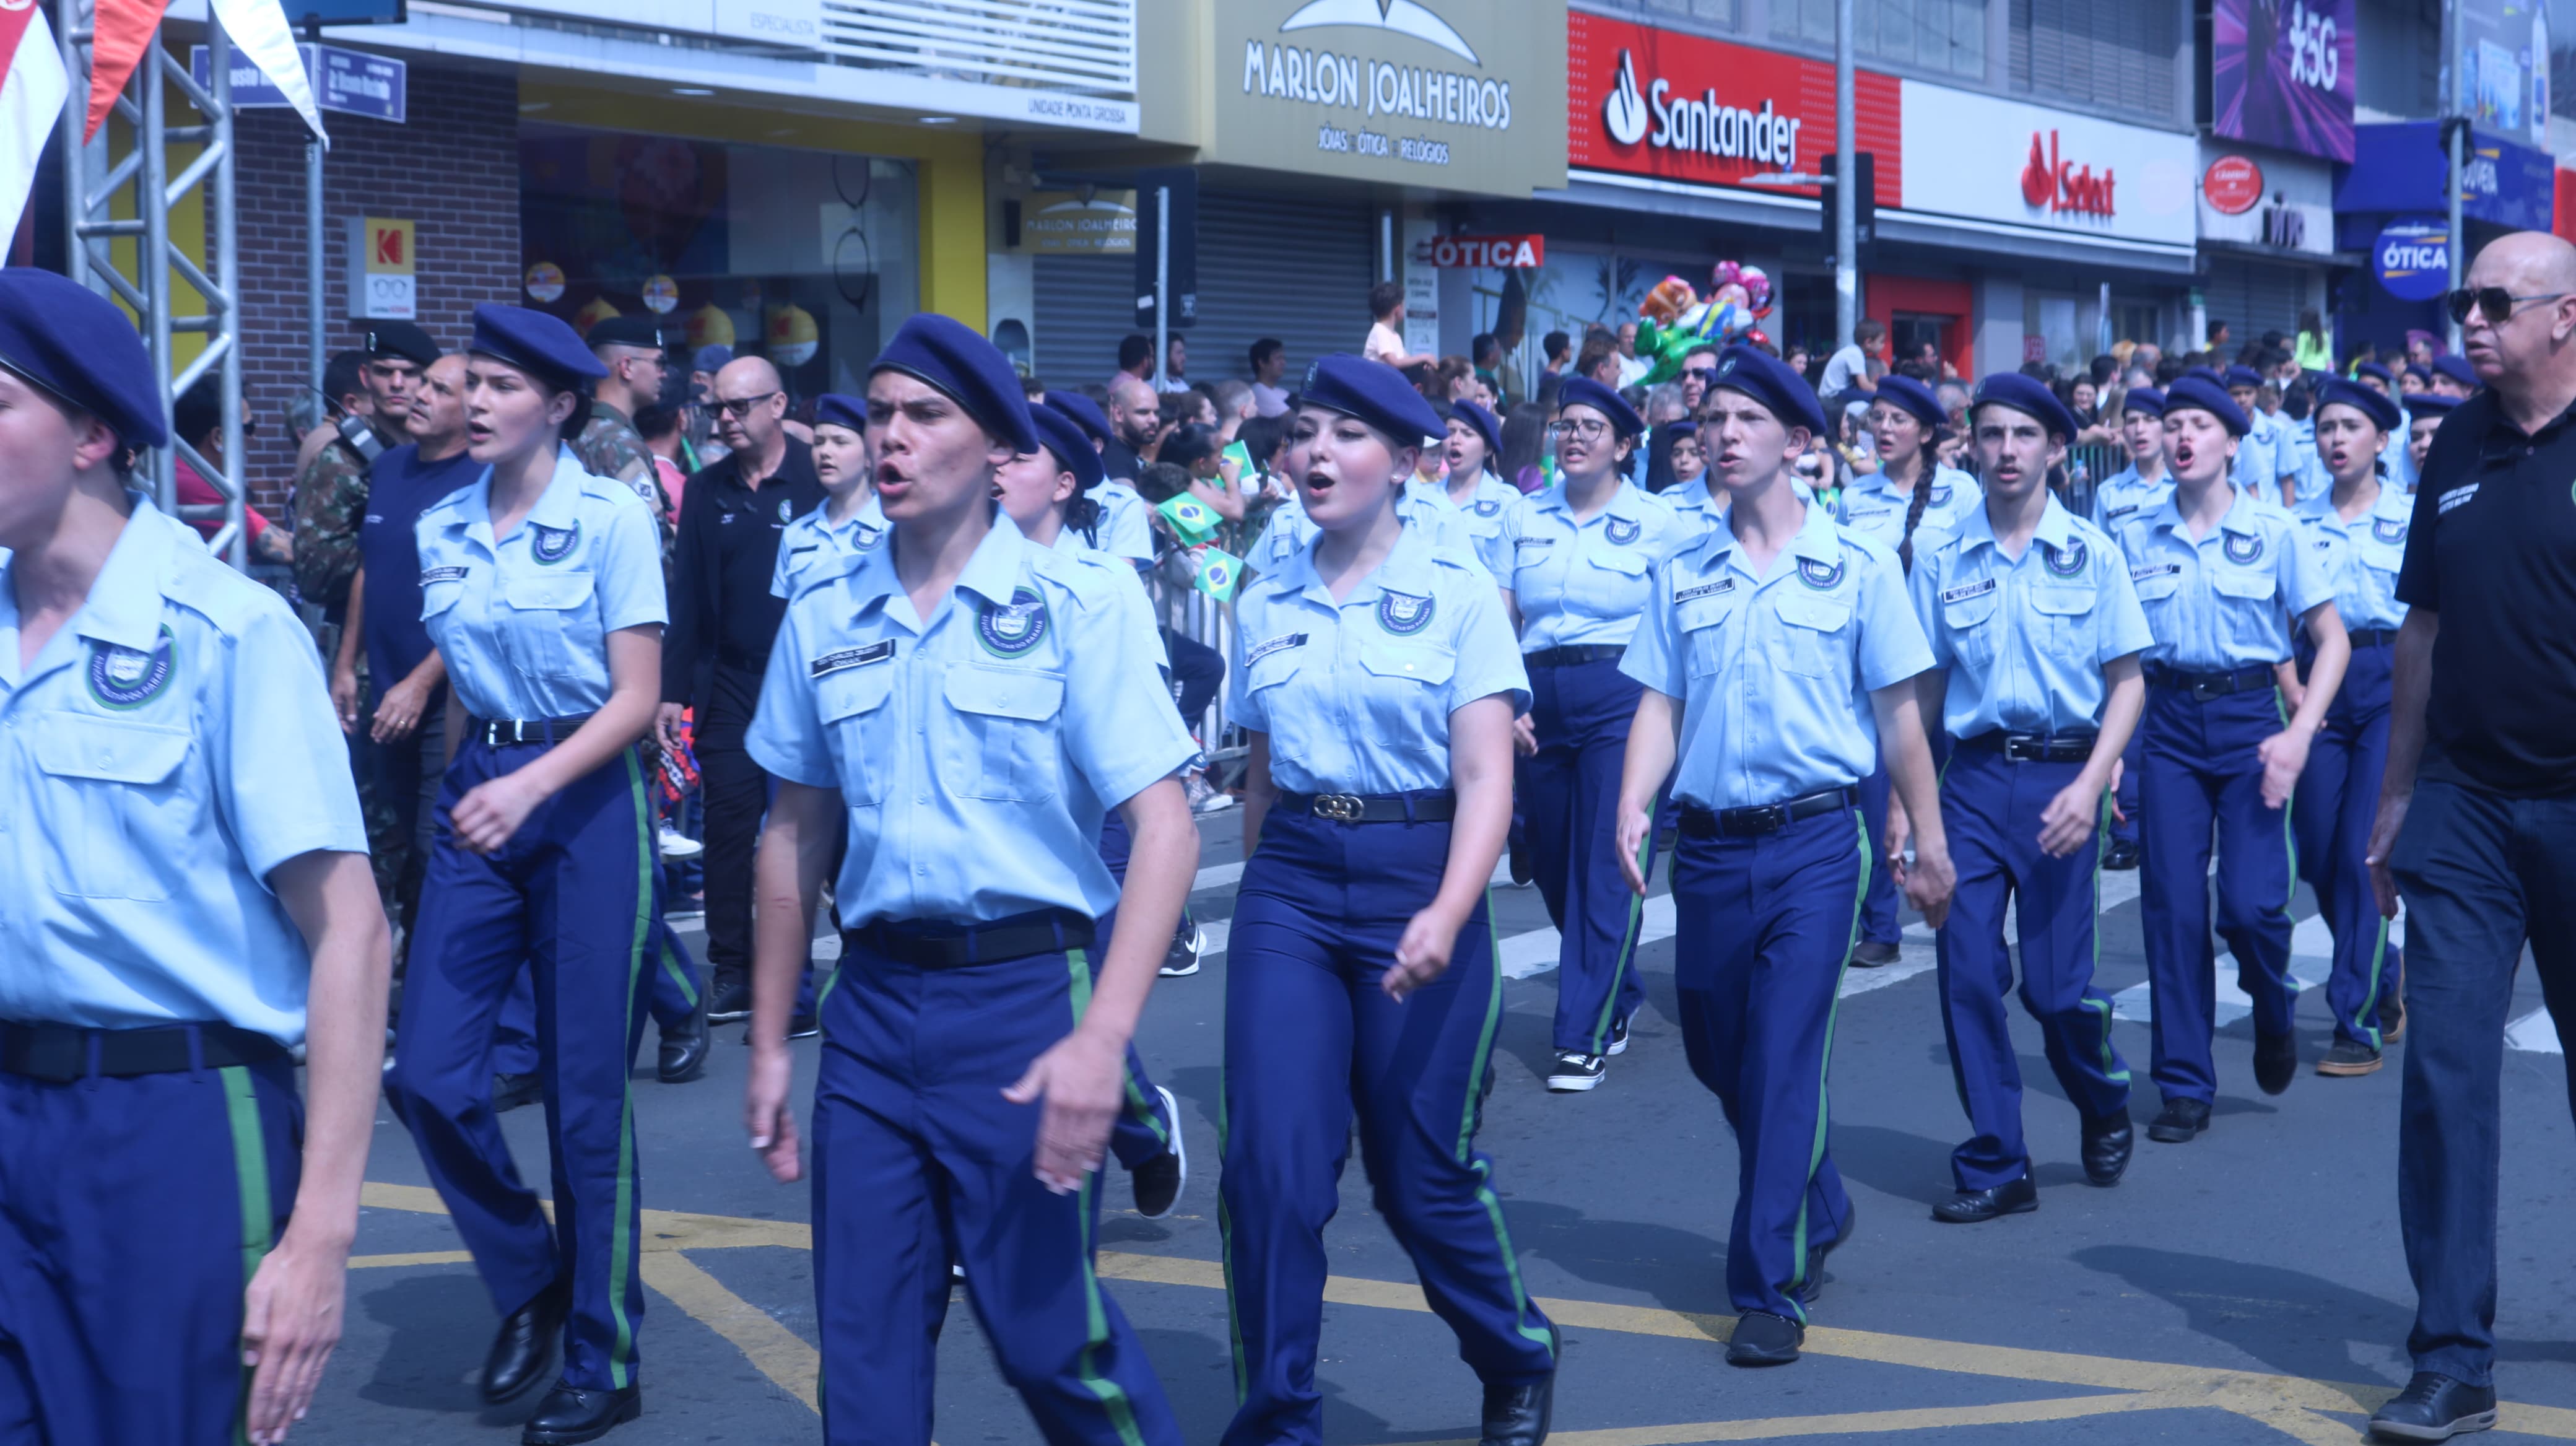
(1488, 252)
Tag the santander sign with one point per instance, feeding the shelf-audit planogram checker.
(2052, 183)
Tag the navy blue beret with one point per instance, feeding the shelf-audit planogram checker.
(1374, 393)
(2369, 401)
(2424, 404)
(2200, 393)
(1585, 392)
(2457, 368)
(66, 339)
(1679, 430)
(711, 359)
(1085, 412)
(2143, 399)
(543, 346)
(2027, 395)
(400, 339)
(2418, 372)
(2243, 377)
(946, 353)
(2374, 369)
(1913, 396)
(1073, 451)
(1768, 380)
(1486, 425)
(2212, 373)
(841, 410)
(644, 331)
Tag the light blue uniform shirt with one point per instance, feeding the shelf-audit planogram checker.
(169, 747)
(2025, 641)
(1774, 674)
(2262, 456)
(2362, 557)
(2395, 456)
(1289, 532)
(2229, 600)
(523, 621)
(1476, 521)
(1356, 695)
(1584, 584)
(977, 750)
(814, 541)
(1696, 503)
(1875, 510)
(1126, 523)
(2124, 494)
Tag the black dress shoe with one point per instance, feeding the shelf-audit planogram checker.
(525, 1344)
(729, 996)
(2178, 1121)
(2107, 1147)
(2433, 1407)
(1763, 1339)
(2276, 1061)
(569, 1415)
(1158, 1182)
(1871, 954)
(1975, 1207)
(1518, 1415)
(2346, 1058)
(2120, 857)
(1815, 1282)
(684, 1049)
(2392, 1021)
(509, 1091)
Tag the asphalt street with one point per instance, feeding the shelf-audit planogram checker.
(2247, 1287)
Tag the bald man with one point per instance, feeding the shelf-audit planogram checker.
(723, 619)
(2477, 809)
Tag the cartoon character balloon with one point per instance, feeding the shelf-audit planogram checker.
(1674, 321)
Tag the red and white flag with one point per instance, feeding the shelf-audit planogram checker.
(32, 89)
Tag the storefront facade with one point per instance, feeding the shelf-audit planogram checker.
(2267, 240)
(2391, 207)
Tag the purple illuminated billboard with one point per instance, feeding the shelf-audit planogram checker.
(2281, 74)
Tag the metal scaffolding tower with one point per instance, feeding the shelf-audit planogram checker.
(94, 179)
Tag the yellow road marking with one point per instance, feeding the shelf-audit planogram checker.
(2293, 1405)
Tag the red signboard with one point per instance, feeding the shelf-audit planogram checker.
(1485, 252)
(1673, 107)
(2233, 184)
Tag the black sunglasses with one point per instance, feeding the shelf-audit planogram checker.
(2493, 302)
(739, 407)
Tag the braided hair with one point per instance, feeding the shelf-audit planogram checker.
(1914, 514)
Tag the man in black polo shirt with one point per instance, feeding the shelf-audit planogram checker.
(723, 620)
(2477, 814)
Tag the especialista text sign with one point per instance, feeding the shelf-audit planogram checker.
(1465, 95)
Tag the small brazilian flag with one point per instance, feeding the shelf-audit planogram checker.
(1192, 520)
(1218, 572)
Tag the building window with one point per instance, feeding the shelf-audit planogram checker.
(2118, 56)
(1944, 37)
(2399, 56)
(1691, 14)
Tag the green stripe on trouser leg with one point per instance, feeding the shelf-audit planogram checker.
(1627, 939)
(1824, 1071)
(250, 1173)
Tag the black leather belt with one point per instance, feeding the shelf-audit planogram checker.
(60, 1053)
(2205, 686)
(1764, 819)
(503, 732)
(1570, 657)
(954, 946)
(2373, 637)
(1433, 806)
(2033, 747)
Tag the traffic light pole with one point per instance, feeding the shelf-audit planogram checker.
(1846, 229)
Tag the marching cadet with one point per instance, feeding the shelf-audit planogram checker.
(2142, 486)
(1049, 495)
(1124, 526)
(1474, 493)
(1909, 493)
(2035, 636)
(1423, 502)
(2424, 411)
(965, 699)
(850, 520)
(1574, 562)
(186, 900)
(2266, 455)
(1790, 649)
(2358, 530)
(2223, 578)
(2399, 455)
(1363, 970)
(542, 588)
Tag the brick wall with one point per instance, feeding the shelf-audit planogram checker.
(453, 170)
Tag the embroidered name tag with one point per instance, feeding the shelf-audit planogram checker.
(2154, 569)
(1965, 591)
(2116, 513)
(2455, 497)
(801, 551)
(1534, 542)
(430, 575)
(848, 658)
(1706, 589)
(1279, 644)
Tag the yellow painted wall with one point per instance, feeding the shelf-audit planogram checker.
(953, 226)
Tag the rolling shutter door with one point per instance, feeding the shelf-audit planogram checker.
(2253, 298)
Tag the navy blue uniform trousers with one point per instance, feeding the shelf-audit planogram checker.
(1990, 809)
(918, 1161)
(2201, 774)
(2482, 874)
(1878, 906)
(1309, 1038)
(673, 1000)
(2124, 821)
(2337, 800)
(572, 897)
(1764, 928)
(1569, 796)
(1142, 1131)
(133, 1212)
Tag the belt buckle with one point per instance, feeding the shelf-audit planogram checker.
(1768, 818)
(2204, 690)
(1339, 807)
(2022, 748)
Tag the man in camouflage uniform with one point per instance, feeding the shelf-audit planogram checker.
(331, 482)
(609, 446)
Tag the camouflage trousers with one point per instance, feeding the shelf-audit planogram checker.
(397, 793)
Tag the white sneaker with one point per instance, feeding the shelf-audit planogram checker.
(677, 846)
